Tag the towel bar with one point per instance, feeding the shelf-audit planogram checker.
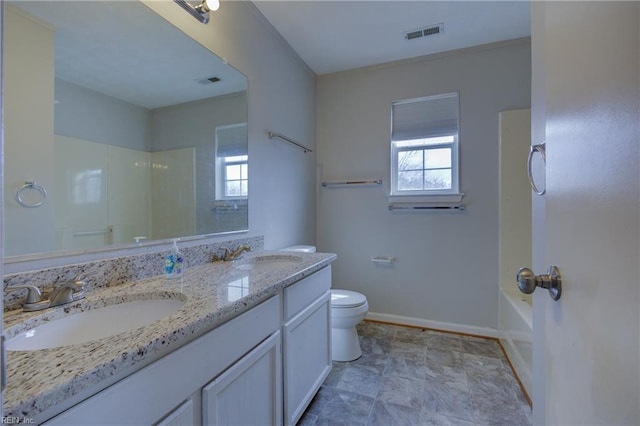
(459, 207)
(353, 182)
(272, 135)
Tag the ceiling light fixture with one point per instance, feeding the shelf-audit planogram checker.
(200, 11)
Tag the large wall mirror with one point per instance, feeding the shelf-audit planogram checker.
(119, 128)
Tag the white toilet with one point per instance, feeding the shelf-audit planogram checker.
(348, 309)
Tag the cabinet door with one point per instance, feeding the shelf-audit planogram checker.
(181, 416)
(249, 392)
(307, 356)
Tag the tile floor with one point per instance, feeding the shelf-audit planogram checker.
(411, 376)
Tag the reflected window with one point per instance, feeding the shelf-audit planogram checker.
(238, 289)
(236, 178)
(87, 187)
(232, 162)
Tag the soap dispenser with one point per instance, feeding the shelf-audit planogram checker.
(178, 268)
(174, 262)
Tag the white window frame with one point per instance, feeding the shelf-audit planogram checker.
(453, 146)
(222, 163)
(240, 162)
(449, 194)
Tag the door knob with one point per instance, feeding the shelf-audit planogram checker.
(552, 281)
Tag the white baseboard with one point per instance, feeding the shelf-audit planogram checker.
(520, 367)
(436, 325)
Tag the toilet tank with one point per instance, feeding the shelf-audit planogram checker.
(301, 248)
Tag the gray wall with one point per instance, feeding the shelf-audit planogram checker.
(194, 123)
(28, 131)
(446, 273)
(86, 114)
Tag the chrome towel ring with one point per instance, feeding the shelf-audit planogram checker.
(31, 186)
(541, 149)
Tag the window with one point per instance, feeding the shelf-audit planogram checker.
(232, 162)
(424, 146)
(236, 180)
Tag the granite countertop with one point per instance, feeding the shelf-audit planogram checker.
(41, 381)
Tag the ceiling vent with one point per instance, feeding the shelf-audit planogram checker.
(424, 32)
(208, 80)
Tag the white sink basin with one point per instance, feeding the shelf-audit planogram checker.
(267, 262)
(94, 324)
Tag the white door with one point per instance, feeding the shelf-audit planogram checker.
(586, 104)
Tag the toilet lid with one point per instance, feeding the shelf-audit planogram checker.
(304, 249)
(346, 299)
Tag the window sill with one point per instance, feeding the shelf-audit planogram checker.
(228, 205)
(426, 202)
(425, 199)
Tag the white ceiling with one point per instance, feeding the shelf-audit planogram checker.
(137, 62)
(337, 35)
(131, 53)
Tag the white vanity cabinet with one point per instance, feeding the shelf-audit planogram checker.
(169, 391)
(260, 368)
(306, 341)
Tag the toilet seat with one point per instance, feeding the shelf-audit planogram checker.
(346, 299)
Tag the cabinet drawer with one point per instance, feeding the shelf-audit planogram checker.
(306, 291)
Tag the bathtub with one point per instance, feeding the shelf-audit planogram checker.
(515, 329)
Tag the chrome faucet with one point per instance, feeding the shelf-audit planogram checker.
(238, 252)
(229, 255)
(33, 301)
(67, 292)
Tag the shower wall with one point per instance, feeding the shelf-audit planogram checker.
(102, 193)
(515, 195)
(112, 195)
(515, 313)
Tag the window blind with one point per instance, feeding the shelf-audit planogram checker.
(231, 140)
(429, 117)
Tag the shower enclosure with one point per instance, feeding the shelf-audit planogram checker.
(515, 309)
